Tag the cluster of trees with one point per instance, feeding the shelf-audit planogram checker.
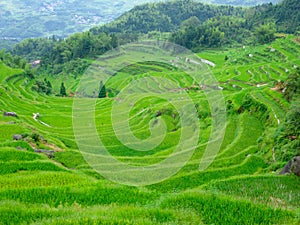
(13, 61)
(35, 48)
(215, 32)
(63, 91)
(65, 56)
(53, 51)
(166, 16)
(195, 25)
(287, 137)
(220, 31)
(80, 45)
(42, 86)
(75, 68)
(265, 33)
(285, 15)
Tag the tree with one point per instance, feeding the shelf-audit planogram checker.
(265, 33)
(287, 137)
(49, 88)
(292, 86)
(191, 22)
(114, 41)
(63, 90)
(2, 54)
(102, 91)
(42, 86)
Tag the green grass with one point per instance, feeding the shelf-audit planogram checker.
(14, 167)
(85, 195)
(275, 191)
(195, 179)
(14, 212)
(218, 209)
(11, 154)
(31, 179)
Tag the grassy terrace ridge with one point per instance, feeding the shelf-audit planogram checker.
(239, 187)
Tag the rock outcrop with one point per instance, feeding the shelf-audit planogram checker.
(293, 166)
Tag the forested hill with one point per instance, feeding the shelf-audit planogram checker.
(188, 23)
(168, 16)
(255, 25)
(65, 17)
(286, 15)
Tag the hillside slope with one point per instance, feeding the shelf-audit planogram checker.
(169, 16)
(61, 188)
(65, 17)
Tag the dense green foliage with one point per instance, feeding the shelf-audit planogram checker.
(43, 86)
(165, 17)
(216, 32)
(12, 60)
(102, 90)
(265, 33)
(54, 51)
(64, 56)
(292, 86)
(35, 48)
(64, 17)
(287, 138)
(256, 25)
(286, 15)
(62, 91)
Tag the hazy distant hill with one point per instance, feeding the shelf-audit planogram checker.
(32, 18)
(241, 2)
(21, 19)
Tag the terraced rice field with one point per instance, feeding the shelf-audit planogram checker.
(237, 188)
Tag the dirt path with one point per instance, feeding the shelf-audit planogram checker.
(203, 61)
